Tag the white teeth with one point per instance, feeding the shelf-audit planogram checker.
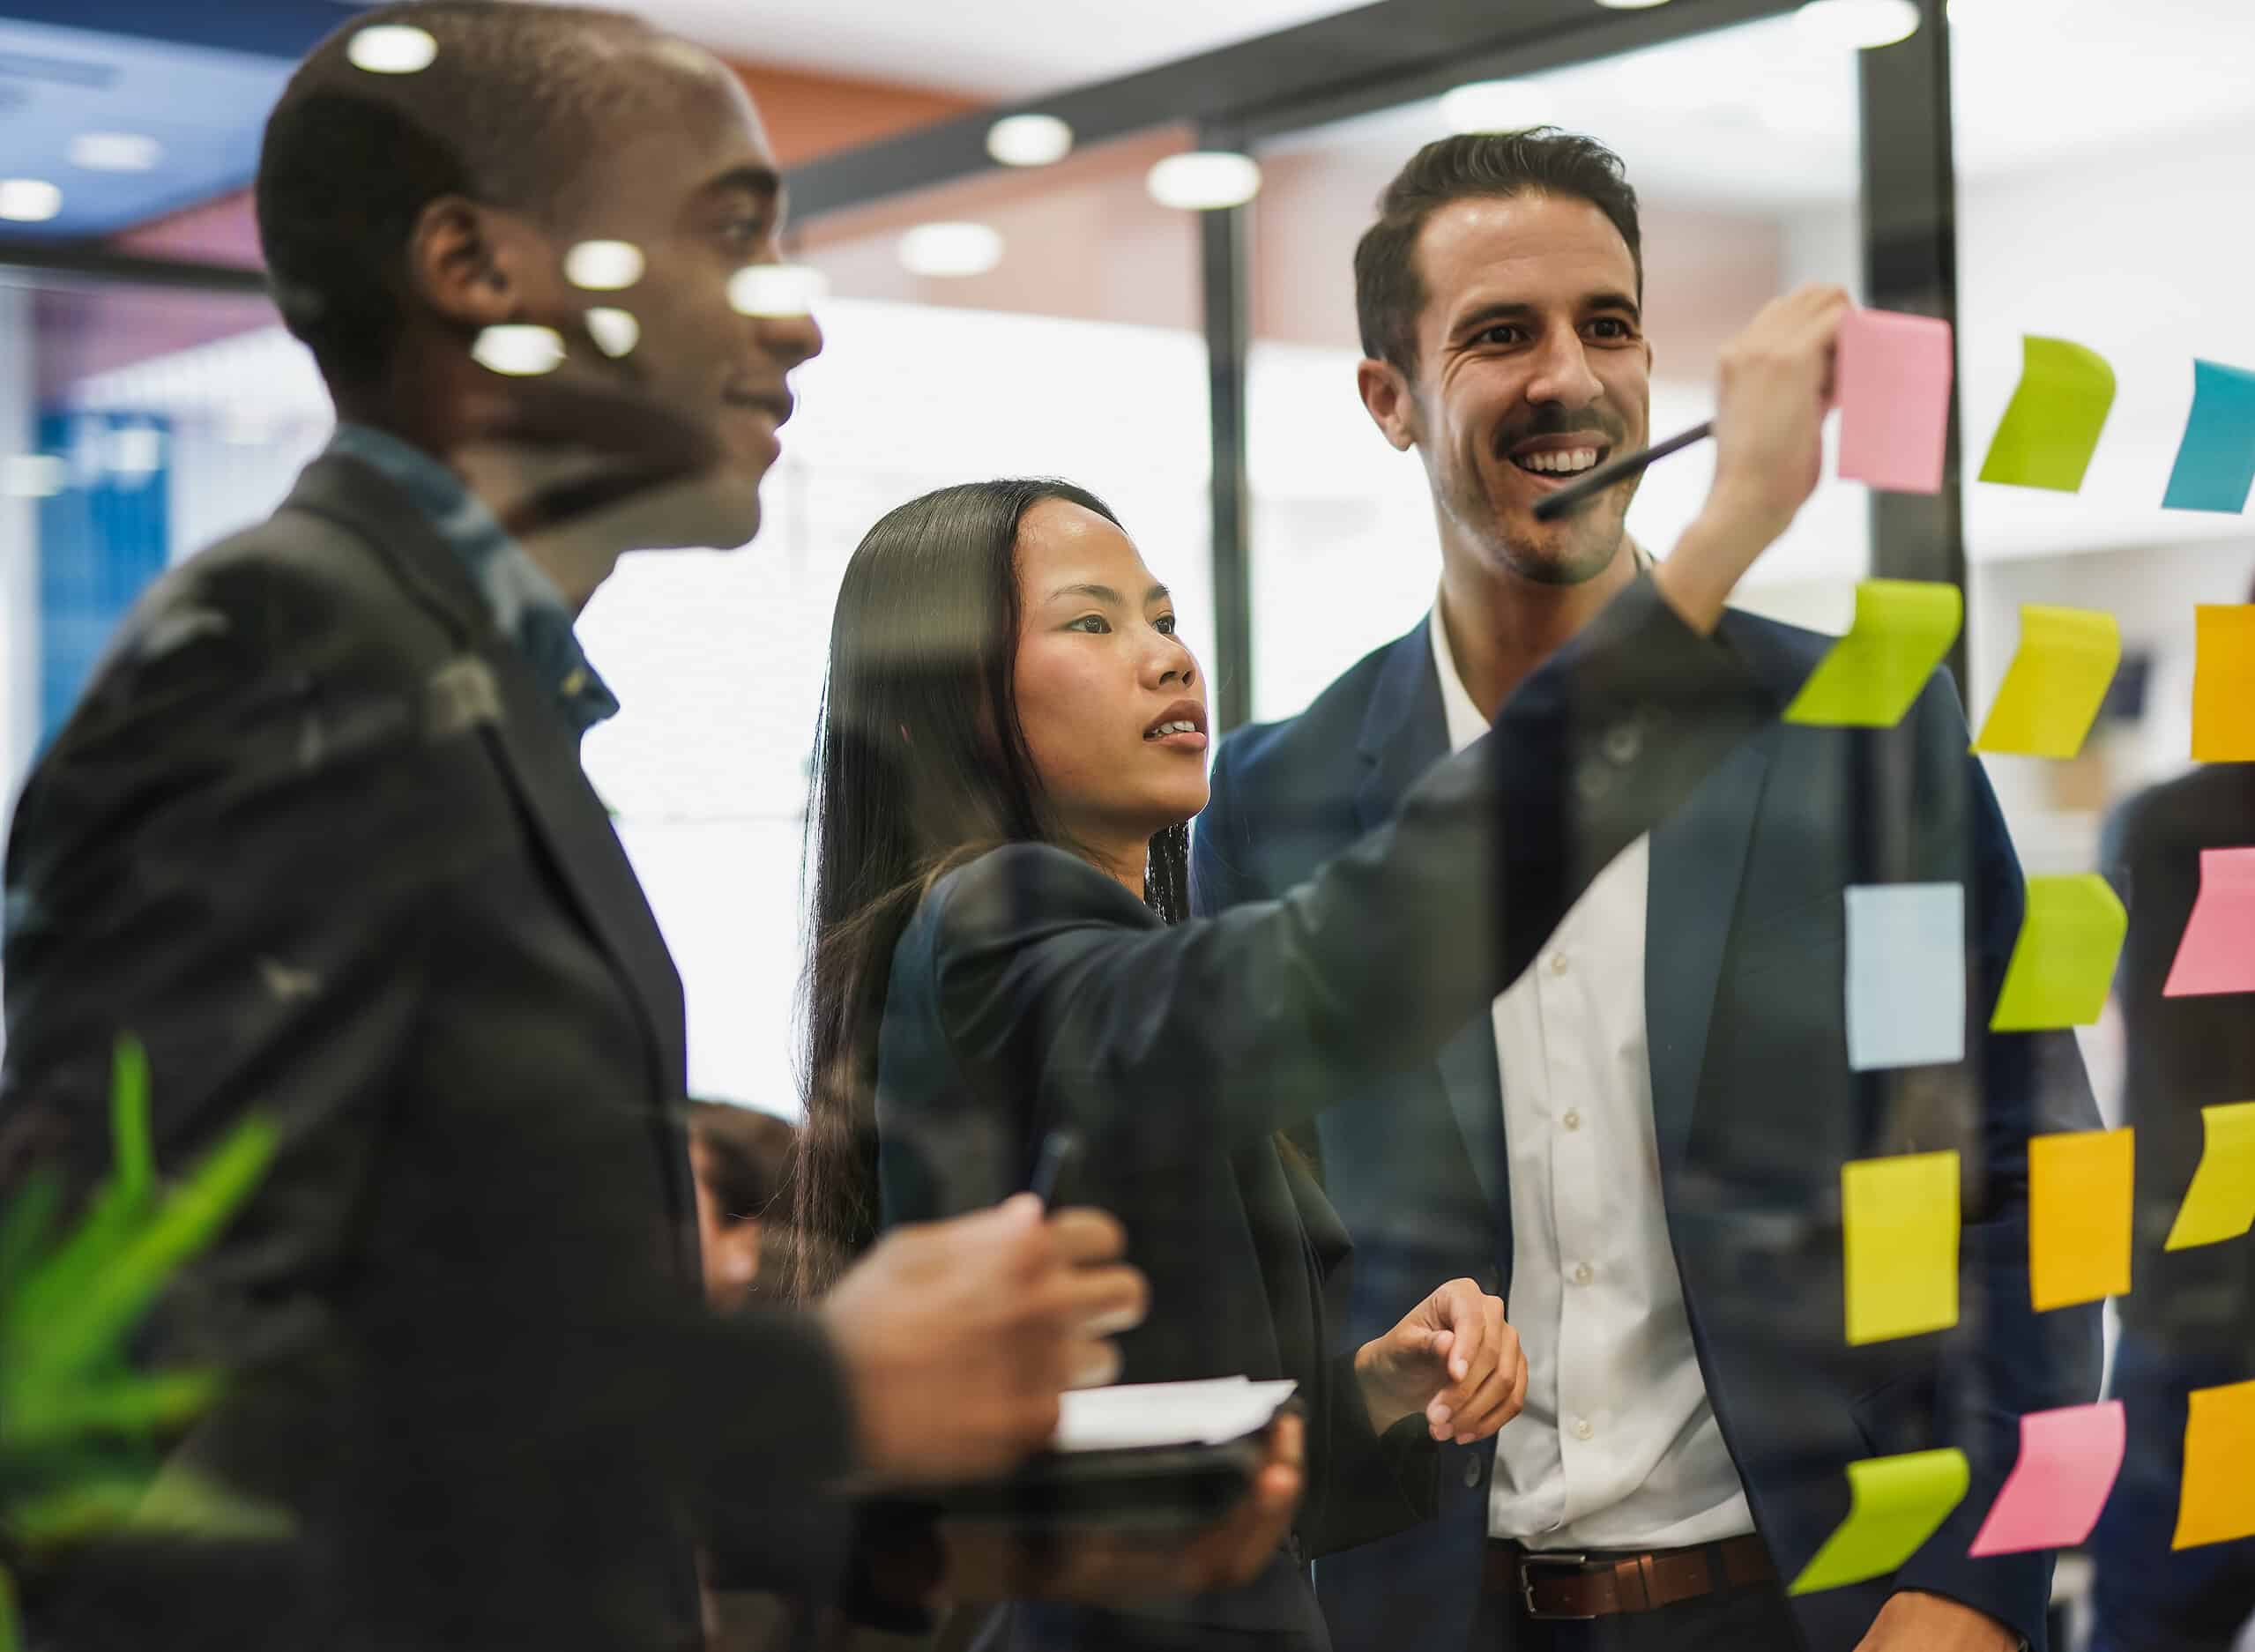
(1165, 729)
(1564, 463)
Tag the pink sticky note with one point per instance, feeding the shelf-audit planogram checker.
(1891, 378)
(2218, 952)
(2051, 1499)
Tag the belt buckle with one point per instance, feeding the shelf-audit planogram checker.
(1561, 1559)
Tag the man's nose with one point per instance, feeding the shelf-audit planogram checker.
(1562, 373)
(788, 340)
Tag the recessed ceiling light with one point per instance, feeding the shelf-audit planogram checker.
(116, 151)
(604, 266)
(1204, 180)
(519, 351)
(1858, 25)
(1029, 140)
(951, 250)
(615, 331)
(1494, 105)
(392, 48)
(1630, 6)
(777, 289)
(29, 200)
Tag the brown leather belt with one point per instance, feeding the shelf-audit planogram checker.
(1577, 1584)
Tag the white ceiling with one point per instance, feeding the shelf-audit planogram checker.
(997, 48)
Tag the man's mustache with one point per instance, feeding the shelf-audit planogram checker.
(1558, 422)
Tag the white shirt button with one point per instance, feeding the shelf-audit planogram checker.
(1583, 1275)
(1558, 964)
(1572, 1120)
(1582, 1429)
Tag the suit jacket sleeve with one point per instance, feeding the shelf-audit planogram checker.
(2003, 1359)
(1053, 985)
(234, 851)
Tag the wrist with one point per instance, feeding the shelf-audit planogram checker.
(1384, 1407)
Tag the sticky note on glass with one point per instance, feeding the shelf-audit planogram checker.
(1895, 1504)
(2051, 424)
(1905, 975)
(1899, 1234)
(2219, 1204)
(2056, 683)
(2223, 683)
(2215, 462)
(2069, 1459)
(2217, 1500)
(1891, 376)
(2078, 1211)
(2063, 959)
(2217, 954)
(1903, 627)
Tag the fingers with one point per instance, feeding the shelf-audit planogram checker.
(1236, 1550)
(1463, 1310)
(1491, 1405)
(1101, 1301)
(1082, 1235)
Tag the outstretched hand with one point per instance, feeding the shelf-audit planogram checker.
(1453, 1357)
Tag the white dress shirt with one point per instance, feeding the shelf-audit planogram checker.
(1618, 1447)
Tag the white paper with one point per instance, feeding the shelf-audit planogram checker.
(1204, 1413)
(1905, 975)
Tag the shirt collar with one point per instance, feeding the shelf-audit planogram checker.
(526, 606)
(1465, 723)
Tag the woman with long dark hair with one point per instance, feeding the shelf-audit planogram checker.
(1013, 742)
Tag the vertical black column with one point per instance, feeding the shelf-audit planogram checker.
(1223, 237)
(1909, 198)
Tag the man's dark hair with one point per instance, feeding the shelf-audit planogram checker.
(505, 114)
(747, 1156)
(1389, 287)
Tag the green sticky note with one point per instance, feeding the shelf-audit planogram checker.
(2063, 959)
(2220, 1205)
(2057, 680)
(1895, 1504)
(2051, 424)
(1903, 627)
(1898, 1237)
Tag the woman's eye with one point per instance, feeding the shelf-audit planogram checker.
(1093, 624)
(1164, 624)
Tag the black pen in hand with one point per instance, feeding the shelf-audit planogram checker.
(1060, 1156)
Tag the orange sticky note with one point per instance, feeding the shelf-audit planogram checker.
(1899, 1235)
(2078, 1206)
(2223, 683)
(2217, 1501)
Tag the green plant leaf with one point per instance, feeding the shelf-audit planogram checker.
(24, 1227)
(135, 1174)
(124, 1404)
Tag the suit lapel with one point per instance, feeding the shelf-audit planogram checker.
(490, 682)
(1404, 732)
(1699, 860)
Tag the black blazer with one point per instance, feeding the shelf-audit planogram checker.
(1755, 1110)
(319, 837)
(1031, 991)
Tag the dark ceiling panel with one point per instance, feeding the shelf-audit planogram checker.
(275, 28)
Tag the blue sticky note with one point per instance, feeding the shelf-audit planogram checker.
(1905, 975)
(2216, 463)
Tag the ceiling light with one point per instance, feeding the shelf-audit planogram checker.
(116, 151)
(1630, 6)
(33, 476)
(1494, 105)
(951, 250)
(604, 266)
(1858, 23)
(519, 351)
(29, 200)
(392, 48)
(1204, 180)
(777, 289)
(1029, 140)
(615, 331)
(137, 452)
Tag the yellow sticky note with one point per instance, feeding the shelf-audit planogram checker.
(2078, 1206)
(2223, 682)
(2216, 1502)
(1903, 627)
(2059, 676)
(1895, 1505)
(2050, 427)
(2219, 1204)
(1899, 1231)
(2065, 956)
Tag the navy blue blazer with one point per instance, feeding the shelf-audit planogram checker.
(1756, 1109)
(1031, 991)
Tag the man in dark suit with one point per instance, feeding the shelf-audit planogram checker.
(318, 834)
(2189, 1322)
(1642, 1145)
